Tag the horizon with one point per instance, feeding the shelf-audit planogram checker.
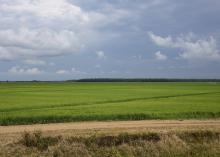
(122, 80)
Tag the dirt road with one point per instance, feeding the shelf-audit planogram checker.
(109, 125)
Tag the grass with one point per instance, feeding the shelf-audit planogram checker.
(28, 103)
(191, 143)
(37, 140)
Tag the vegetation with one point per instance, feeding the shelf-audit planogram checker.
(123, 80)
(37, 140)
(44, 102)
(144, 80)
(197, 143)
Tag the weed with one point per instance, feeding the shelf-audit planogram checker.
(37, 140)
(199, 136)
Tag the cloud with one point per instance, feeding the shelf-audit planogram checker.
(160, 56)
(34, 62)
(37, 28)
(66, 11)
(137, 57)
(191, 46)
(26, 43)
(100, 54)
(160, 41)
(97, 66)
(61, 72)
(46, 9)
(16, 70)
(51, 64)
(5, 55)
(31, 29)
(73, 71)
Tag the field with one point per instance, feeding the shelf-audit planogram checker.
(28, 103)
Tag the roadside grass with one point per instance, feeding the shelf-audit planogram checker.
(199, 136)
(115, 117)
(191, 143)
(37, 140)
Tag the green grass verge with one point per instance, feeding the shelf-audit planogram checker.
(59, 119)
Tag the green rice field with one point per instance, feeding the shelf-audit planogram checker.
(29, 102)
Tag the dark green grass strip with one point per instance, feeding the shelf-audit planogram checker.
(140, 116)
(43, 90)
(105, 102)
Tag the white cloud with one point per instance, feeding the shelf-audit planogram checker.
(25, 43)
(16, 70)
(61, 72)
(190, 45)
(35, 28)
(46, 9)
(100, 54)
(34, 62)
(160, 41)
(65, 11)
(160, 56)
(73, 71)
(137, 57)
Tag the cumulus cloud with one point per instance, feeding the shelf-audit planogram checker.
(47, 9)
(191, 46)
(160, 56)
(161, 41)
(100, 54)
(16, 70)
(36, 28)
(46, 35)
(25, 43)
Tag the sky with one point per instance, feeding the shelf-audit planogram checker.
(73, 39)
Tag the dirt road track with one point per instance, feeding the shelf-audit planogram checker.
(107, 125)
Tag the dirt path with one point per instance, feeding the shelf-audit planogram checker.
(108, 125)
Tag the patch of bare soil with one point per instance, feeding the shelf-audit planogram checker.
(107, 125)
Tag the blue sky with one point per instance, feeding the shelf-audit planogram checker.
(71, 39)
